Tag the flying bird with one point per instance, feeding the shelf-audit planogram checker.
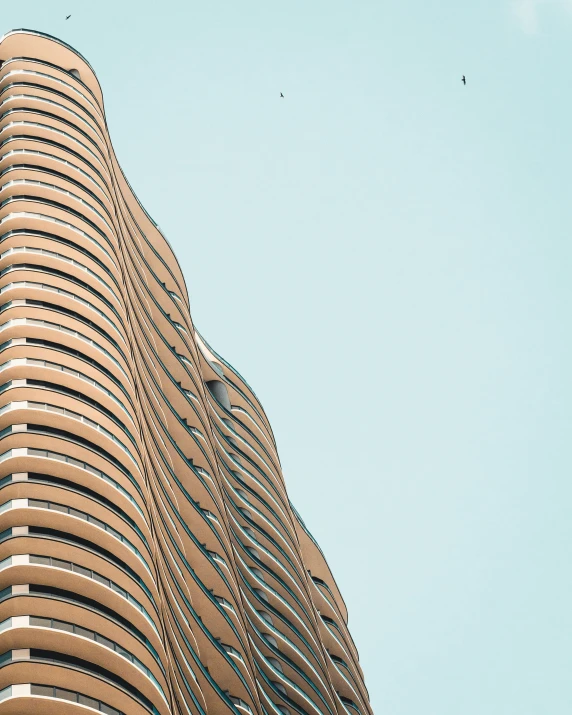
(464, 81)
(68, 17)
(281, 95)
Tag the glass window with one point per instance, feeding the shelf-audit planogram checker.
(104, 641)
(61, 564)
(270, 639)
(43, 560)
(90, 702)
(41, 622)
(38, 503)
(123, 652)
(109, 710)
(66, 695)
(100, 579)
(45, 690)
(276, 664)
(82, 570)
(117, 588)
(63, 626)
(84, 632)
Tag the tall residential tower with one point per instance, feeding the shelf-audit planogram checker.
(150, 559)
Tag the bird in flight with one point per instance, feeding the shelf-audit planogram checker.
(68, 17)
(464, 81)
(281, 95)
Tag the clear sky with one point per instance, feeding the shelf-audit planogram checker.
(385, 255)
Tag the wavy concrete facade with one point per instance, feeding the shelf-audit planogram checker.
(150, 560)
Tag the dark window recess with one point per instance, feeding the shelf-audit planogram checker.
(62, 593)
(63, 509)
(48, 479)
(53, 236)
(53, 172)
(348, 701)
(72, 538)
(48, 691)
(64, 434)
(276, 664)
(76, 316)
(59, 274)
(63, 390)
(219, 391)
(41, 622)
(231, 440)
(37, 654)
(240, 702)
(234, 456)
(279, 687)
(315, 579)
(56, 204)
(69, 596)
(75, 353)
(270, 639)
(57, 145)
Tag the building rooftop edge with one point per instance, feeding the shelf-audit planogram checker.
(24, 30)
(47, 36)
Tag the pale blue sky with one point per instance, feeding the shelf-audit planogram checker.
(385, 255)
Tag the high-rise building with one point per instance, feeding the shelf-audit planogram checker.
(150, 559)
